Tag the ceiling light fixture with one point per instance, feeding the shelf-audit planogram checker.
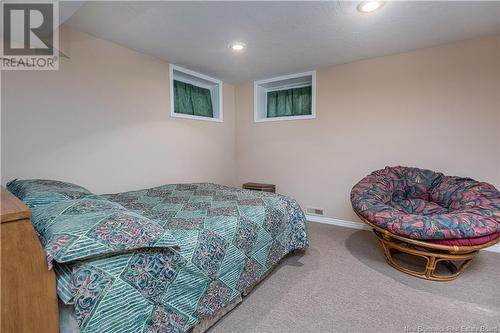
(369, 6)
(237, 46)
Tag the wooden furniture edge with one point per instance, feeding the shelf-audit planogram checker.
(259, 187)
(28, 291)
(12, 209)
(253, 184)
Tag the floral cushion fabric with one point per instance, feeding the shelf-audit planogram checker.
(423, 204)
(466, 241)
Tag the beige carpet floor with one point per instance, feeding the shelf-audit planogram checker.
(342, 284)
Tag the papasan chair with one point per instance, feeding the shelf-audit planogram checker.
(445, 220)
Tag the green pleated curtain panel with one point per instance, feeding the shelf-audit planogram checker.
(193, 100)
(289, 102)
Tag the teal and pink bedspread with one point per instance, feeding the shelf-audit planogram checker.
(159, 259)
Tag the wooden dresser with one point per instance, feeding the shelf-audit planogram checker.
(260, 187)
(28, 288)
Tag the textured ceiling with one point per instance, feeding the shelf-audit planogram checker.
(281, 37)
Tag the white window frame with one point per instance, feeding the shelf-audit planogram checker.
(214, 85)
(260, 96)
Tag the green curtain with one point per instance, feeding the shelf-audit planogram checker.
(193, 100)
(289, 102)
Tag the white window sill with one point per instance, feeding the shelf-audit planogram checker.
(261, 120)
(187, 116)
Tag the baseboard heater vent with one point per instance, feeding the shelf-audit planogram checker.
(315, 211)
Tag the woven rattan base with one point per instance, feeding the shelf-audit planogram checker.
(455, 258)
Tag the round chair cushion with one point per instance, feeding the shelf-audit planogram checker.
(423, 204)
(466, 241)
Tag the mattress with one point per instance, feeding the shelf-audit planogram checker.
(68, 321)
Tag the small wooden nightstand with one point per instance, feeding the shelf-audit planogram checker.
(260, 187)
(29, 299)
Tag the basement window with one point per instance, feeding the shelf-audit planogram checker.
(288, 97)
(194, 95)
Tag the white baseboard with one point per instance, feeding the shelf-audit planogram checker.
(337, 222)
(362, 226)
(494, 248)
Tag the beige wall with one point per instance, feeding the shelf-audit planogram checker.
(103, 121)
(434, 108)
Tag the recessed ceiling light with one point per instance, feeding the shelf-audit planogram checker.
(237, 46)
(370, 6)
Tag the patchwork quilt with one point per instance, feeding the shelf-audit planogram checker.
(159, 259)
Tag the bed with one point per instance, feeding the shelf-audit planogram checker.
(173, 258)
